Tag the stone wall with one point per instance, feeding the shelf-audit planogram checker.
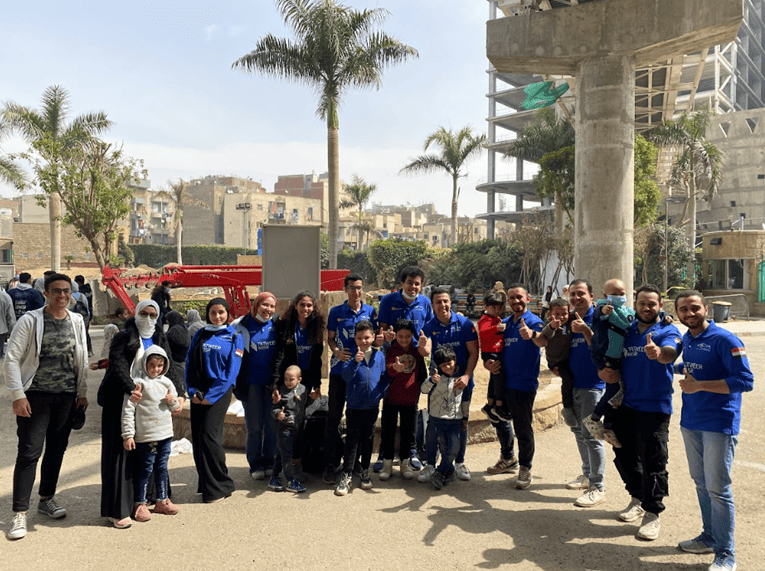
(31, 246)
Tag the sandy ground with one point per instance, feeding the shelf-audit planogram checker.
(485, 523)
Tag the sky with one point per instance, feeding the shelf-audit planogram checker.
(162, 72)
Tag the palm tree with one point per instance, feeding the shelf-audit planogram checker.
(358, 194)
(179, 194)
(546, 133)
(10, 171)
(49, 123)
(335, 48)
(456, 149)
(697, 170)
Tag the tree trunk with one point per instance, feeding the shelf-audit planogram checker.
(179, 242)
(691, 233)
(454, 210)
(333, 206)
(54, 211)
(361, 231)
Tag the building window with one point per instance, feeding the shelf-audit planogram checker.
(7, 259)
(729, 274)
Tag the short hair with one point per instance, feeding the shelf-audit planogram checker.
(517, 285)
(404, 323)
(155, 356)
(493, 298)
(558, 302)
(576, 282)
(440, 289)
(363, 325)
(648, 288)
(119, 311)
(351, 278)
(47, 273)
(293, 368)
(79, 278)
(54, 277)
(166, 283)
(411, 272)
(24, 277)
(443, 354)
(689, 293)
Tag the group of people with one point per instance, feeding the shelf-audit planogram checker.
(273, 365)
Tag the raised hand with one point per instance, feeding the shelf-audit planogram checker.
(398, 365)
(136, 396)
(555, 323)
(578, 325)
(525, 331)
(652, 350)
(359, 356)
(379, 337)
(607, 309)
(689, 385)
(435, 378)
(389, 334)
(280, 416)
(169, 398)
(422, 339)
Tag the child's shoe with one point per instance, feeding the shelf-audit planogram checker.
(437, 480)
(594, 427)
(345, 484)
(462, 471)
(610, 437)
(298, 474)
(406, 470)
(450, 477)
(366, 481)
(414, 461)
(378, 465)
(488, 410)
(387, 470)
(165, 507)
(295, 486)
(141, 513)
(275, 484)
(616, 400)
(568, 417)
(501, 413)
(426, 474)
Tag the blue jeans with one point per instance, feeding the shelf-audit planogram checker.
(431, 444)
(151, 457)
(506, 438)
(261, 430)
(710, 457)
(446, 433)
(591, 450)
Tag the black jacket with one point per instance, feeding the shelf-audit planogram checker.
(286, 355)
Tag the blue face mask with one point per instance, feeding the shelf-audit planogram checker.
(617, 300)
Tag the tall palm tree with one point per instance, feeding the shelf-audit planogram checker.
(10, 171)
(456, 149)
(335, 48)
(358, 194)
(546, 133)
(179, 194)
(698, 168)
(49, 123)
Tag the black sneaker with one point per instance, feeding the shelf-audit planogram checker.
(437, 479)
(488, 410)
(329, 476)
(366, 481)
(501, 413)
(450, 477)
(345, 484)
(50, 508)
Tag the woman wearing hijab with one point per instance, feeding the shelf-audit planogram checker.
(300, 341)
(259, 334)
(179, 340)
(193, 321)
(140, 333)
(212, 365)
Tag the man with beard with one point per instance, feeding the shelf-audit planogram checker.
(716, 374)
(642, 424)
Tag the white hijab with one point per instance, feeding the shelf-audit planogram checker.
(146, 327)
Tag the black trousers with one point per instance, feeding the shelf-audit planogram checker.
(209, 455)
(359, 437)
(642, 459)
(521, 407)
(336, 402)
(390, 419)
(49, 425)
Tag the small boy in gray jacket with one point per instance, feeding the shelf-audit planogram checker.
(147, 428)
(557, 352)
(289, 412)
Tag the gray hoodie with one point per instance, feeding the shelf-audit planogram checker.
(149, 420)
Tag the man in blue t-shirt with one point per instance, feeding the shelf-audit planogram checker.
(521, 356)
(642, 421)
(457, 331)
(716, 374)
(341, 324)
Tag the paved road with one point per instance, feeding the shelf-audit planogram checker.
(485, 524)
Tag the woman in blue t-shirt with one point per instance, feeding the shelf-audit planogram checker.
(300, 341)
(212, 365)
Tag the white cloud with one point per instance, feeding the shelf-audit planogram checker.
(211, 30)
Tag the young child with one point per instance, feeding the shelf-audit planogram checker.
(447, 412)
(288, 410)
(406, 368)
(558, 350)
(147, 428)
(366, 383)
(491, 333)
(610, 322)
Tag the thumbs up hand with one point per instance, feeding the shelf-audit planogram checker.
(422, 339)
(389, 334)
(359, 356)
(280, 416)
(398, 365)
(607, 309)
(136, 396)
(652, 350)
(525, 332)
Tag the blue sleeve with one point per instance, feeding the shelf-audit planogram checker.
(740, 379)
(384, 314)
(189, 372)
(349, 369)
(332, 320)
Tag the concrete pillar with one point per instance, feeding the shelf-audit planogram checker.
(490, 197)
(605, 143)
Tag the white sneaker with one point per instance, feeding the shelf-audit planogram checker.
(426, 474)
(387, 470)
(590, 498)
(650, 527)
(258, 474)
(463, 473)
(581, 483)
(406, 470)
(18, 526)
(633, 512)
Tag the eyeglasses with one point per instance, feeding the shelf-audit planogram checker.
(56, 291)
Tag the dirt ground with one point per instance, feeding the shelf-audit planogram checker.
(485, 523)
